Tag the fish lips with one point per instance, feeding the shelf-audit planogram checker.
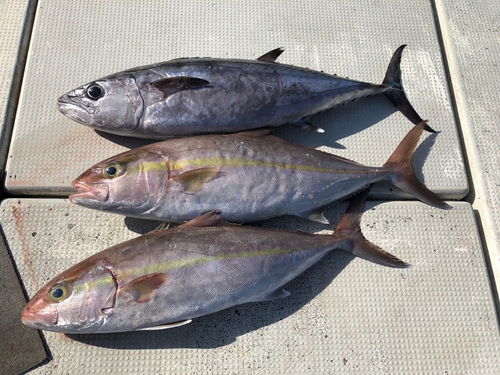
(38, 316)
(75, 110)
(97, 193)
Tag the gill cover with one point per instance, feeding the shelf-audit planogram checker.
(77, 301)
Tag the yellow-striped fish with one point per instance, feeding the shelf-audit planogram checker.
(247, 177)
(165, 279)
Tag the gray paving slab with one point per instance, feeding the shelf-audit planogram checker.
(76, 42)
(344, 315)
(471, 33)
(21, 347)
(16, 18)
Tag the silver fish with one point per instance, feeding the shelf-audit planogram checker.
(247, 177)
(201, 95)
(166, 279)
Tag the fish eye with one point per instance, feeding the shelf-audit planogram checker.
(111, 171)
(95, 91)
(58, 292)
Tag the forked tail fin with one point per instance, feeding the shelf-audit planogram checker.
(355, 243)
(403, 175)
(397, 95)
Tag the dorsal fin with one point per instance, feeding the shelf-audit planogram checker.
(271, 56)
(259, 133)
(264, 134)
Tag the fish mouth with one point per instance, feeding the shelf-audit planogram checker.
(39, 318)
(74, 110)
(99, 193)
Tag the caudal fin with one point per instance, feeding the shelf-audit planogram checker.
(404, 176)
(397, 95)
(355, 243)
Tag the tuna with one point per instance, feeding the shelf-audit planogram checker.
(248, 176)
(167, 278)
(193, 96)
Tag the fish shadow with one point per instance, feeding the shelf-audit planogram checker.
(339, 122)
(224, 327)
(128, 142)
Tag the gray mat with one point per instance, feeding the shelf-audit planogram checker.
(16, 18)
(76, 42)
(21, 348)
(470, 31)
(344, 315)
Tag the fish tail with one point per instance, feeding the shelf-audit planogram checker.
(403, 175)
(355, 243)
(397, 94)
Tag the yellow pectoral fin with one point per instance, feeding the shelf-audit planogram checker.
(143, 288)
(194, 180)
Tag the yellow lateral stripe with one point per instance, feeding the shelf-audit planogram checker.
(240, 162)
(164, 267)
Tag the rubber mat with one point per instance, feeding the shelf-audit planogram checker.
(344, 315)
(16, 18)
(21, 347)
(470, 32)
(76, 42)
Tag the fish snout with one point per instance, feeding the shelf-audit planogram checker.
(37, 314)
(85, 192)
(73, 106)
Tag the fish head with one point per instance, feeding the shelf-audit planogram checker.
(129, 183)
(78, 301)
(113, 104)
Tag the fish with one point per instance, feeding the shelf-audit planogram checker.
(248, 176)
(167, 278)
(192, 96)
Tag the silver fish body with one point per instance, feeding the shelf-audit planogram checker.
(165, 279)
(202, 95)
(246, 177)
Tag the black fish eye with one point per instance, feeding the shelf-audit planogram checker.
(95, 91)
(58, 292)
(111, 171)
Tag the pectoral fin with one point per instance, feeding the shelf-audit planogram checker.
(195, 179)
(172, 85)
(143, 288)
(166, 326)
(271, 56)
(314, 215)
(277, 294)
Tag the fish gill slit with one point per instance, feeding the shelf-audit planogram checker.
(138, 118)
(115, 279)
